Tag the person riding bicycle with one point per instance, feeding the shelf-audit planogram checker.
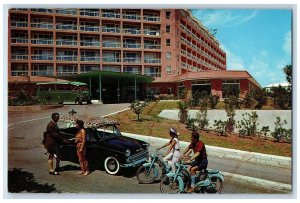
(173, 154)
(199, 160)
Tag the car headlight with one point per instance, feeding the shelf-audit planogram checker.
(127, 153)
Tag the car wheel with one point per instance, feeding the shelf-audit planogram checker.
(111, 165)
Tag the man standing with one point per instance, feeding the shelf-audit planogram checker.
(52, 139)
(199, 160)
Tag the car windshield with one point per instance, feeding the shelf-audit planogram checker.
(108, 131)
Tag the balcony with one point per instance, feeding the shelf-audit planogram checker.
(153, 74)
(111, 44)
(69, 27)
(66, 11)
(42, 57)
(19, 73)
(132, 31)
(63, 42)
(42, 25)
(152, 18)
(16, 23)
(152, 32)
(132, 70)
(132, 60)
(90, 13)
(88, 68)
(19, 9)
(90, 58)
(17, 40)
(131, 17)
(111, 59)
(152, 46)
(152, 60)
(19, 57)
(90, 43)
(42, 41)
(66, 58)
(111, 15)
(132, 45)
(89, 28)
(41, 73)
(111, 29)
(42, 10)
(66, 72)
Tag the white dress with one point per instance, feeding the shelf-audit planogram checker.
(174, 154)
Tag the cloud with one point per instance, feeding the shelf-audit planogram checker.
(287, 45)
(224, 17)
(234, 62)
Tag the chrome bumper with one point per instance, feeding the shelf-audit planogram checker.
(134, 164)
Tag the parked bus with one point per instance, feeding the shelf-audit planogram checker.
(61, 92)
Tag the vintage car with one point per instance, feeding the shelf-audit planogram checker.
(106, 146)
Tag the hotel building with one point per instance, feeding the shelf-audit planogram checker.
(168, 44)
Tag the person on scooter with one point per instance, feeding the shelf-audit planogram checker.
(199, 160)
(173, 154)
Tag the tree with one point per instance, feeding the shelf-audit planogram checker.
(288, 73)
(137, 107)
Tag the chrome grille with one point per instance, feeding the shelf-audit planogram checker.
(138, 156)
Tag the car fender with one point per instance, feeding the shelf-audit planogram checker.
(155, 170)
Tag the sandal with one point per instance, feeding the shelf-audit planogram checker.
(53, 173)
(80, 172)
(86, 173)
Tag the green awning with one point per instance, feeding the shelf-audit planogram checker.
(126, 77)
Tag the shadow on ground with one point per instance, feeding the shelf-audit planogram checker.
(22, 181)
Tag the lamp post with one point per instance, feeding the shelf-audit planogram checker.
(72, 113)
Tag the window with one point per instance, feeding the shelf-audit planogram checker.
(169, 70)
(168, 28)
(230, 88)
(168, 55)
(168, 14)
(169, 90)
(168, 42)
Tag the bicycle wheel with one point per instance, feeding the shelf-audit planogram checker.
(169, 185)
(145, 175)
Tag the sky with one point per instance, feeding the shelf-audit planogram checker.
(258, 41)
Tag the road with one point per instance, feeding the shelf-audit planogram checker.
(28, 170)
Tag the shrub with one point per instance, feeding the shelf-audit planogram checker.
(190, 124)
(280, 132)
(281, 97)
(248, 126)
(264, 130)
(202, 115)
(231, 104)
(213, 100)
(220, 127)
(183, 113)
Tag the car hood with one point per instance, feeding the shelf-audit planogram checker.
(123, 143)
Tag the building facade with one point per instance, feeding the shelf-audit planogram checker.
(166, 44)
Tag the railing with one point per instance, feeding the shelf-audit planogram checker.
(92, 44)
(66, 58)
(132, 71)
(42, 10)
(156, 75)
(90, 58)
(111, 29)
(132, 45)
(42, 57)
(152, 18)
(131, 17)
(111, 44)
(66, 73)
(148, 60)
(112, 69)
(19, 9)
(85, 69)
(152, 46)
(111, 59)
(19, 73)
(45, 72)
(63, 42)
(41, 41)
(19, 40)
(152, 32)
(132, 31)
(90, 13)
(67, 11)
(18, 57)
(42, 25)
(66, 26)
(15, 23)
(132, 59)
(90, 28)
(111, 15)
